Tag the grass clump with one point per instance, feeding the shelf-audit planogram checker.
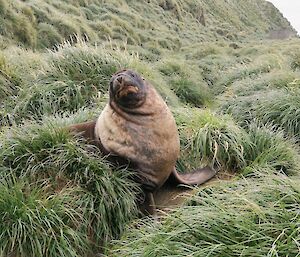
(74, 78)
(258, 67)
(188, 86)
(203, 50)
(248, 217)
(48, 36)
(68, 79)
(295, 63)
(212, 139)
(270, 148)
(24, 30)
(216, 140)
(190, 92)
(35, 222)
(241, 108)
(275, 80)
(244, 108)
(49, 153)
(282, 111)
(9, 80)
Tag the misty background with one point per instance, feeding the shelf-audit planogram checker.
(291, 10)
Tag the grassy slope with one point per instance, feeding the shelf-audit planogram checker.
(234, 96)
(168, 24)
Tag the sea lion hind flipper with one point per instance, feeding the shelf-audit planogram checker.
(194, 178)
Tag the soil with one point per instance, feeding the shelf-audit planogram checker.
(168, 198)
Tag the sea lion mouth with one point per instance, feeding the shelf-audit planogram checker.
(123, 91)
(127, 89)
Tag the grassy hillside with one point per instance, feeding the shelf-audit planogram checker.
(167, 24)
(233, 92)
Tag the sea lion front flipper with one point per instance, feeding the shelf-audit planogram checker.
(85, 129)
(196, 177)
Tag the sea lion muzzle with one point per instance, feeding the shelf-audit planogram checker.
(127, 89)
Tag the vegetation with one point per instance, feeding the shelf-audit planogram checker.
(249, 217)
(59, 171)
(40, 24)
(233, 92)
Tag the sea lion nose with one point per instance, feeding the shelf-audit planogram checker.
(124, 80)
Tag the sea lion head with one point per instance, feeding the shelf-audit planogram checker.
(127, 89)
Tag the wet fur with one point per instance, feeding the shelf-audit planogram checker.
(147, 137)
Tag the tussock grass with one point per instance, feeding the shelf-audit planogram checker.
(260, 66)
(212, 139)
(248, 217)
(72, 79)
(219, 141)
(275, 80)
(191, 92)
(17, 70)
(282, 111)
(48, 36)
(295, 63)
(198, 52)
(6, 87)
(49, 153)
(22, 64)
(277, 107)
(35, 222)
(186, 83)
(207, 138)
(167, 24)
(243, 108)
(60, 198)
(9, 79)
(270, 148)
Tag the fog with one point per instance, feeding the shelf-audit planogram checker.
(291, 10)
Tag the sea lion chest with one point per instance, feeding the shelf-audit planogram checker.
(151, 142)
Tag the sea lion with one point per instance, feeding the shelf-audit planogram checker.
(136, 127)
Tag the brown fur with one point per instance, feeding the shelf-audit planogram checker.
(85, 129)
(142, 138)
(146, 135)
